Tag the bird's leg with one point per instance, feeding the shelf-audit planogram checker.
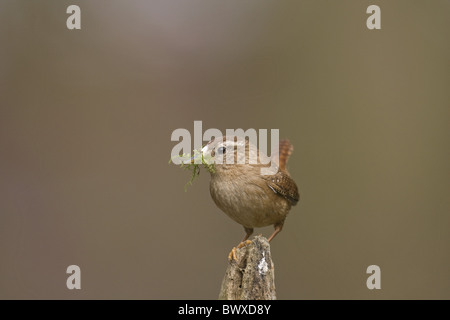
(278, 228)
(244, 242)
(248, 233)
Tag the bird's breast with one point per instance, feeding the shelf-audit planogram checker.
(248, 200)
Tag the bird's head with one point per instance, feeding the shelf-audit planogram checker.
(229, 152)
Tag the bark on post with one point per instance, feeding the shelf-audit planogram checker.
(251, 276)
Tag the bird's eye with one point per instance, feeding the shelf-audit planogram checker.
(221, 150)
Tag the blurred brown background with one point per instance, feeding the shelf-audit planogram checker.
(86, 118)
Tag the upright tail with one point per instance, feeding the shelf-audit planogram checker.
(285, 150)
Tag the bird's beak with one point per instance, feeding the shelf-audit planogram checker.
(193, 158)
(197, 157)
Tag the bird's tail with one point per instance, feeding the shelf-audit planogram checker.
(284, 151)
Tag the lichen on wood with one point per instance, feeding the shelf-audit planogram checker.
(252, 275)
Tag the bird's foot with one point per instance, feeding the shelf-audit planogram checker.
(232, 254)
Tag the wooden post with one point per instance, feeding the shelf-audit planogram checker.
(252, 275)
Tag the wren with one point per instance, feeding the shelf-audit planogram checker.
(239, 188)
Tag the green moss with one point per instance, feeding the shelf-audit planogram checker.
(207, 163)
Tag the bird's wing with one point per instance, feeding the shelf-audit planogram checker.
(281, 183)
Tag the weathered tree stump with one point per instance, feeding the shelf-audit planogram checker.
(252, 275)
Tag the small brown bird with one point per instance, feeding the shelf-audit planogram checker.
(239, 188)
